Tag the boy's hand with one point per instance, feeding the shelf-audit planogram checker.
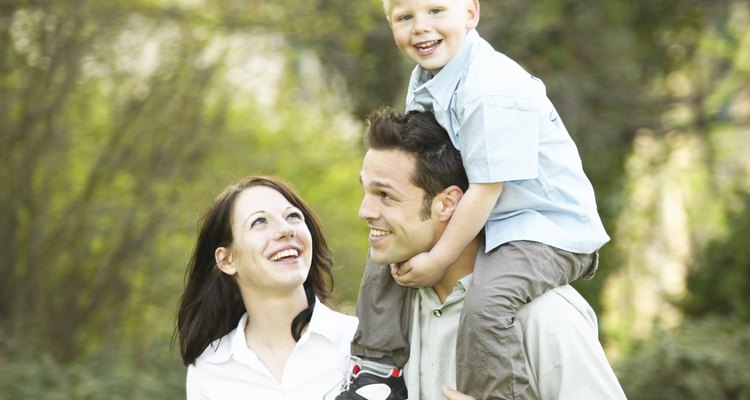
(418, 272)
(451, 394)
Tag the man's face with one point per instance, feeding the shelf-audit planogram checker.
(391, 207)
(430, 32)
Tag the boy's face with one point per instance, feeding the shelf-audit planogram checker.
(430, 32)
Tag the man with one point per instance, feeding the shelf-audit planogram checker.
(413, 179)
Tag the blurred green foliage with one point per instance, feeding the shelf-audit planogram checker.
(704, 359)
(119, 122)
(723, 289)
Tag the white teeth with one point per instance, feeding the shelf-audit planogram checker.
(377, 232)
(426, 45)
(285, 253)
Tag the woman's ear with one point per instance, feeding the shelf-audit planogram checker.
(224, 261)
(448, 201)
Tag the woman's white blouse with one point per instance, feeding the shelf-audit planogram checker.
(228, 369)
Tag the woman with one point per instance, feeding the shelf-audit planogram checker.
(251, 322)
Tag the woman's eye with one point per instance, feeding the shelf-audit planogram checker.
(258, 221)
(295, 215)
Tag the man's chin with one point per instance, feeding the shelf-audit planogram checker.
(382, 260)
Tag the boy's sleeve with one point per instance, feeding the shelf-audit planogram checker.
(499, 139)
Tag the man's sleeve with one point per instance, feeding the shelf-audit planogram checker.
(566, 359)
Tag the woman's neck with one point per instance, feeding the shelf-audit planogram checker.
(268, 331)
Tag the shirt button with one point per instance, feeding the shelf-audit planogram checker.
(437, 313)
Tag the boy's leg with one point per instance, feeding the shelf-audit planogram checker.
(384, 312)
(488, 340)
(381, 341)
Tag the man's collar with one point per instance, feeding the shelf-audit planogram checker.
(458, 291)
(465, 282)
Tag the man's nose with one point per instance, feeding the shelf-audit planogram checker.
(366, 210)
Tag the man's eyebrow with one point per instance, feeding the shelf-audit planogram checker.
(383, 185)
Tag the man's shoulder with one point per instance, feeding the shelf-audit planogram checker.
(564, 355)
(561, 304)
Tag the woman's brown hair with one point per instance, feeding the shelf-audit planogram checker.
(211, 306)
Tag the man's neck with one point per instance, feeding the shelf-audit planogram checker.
(462, 267)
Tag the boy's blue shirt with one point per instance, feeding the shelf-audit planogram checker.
(507, 130)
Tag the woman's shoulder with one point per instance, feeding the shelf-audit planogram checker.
(335, 313)
(218, 351)
(334, 324)
(331, 312)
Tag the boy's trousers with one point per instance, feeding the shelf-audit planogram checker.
(490, 360)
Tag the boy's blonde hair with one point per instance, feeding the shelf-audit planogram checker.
(387, 7)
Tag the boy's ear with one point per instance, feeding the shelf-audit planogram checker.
(472, 14)
(447, 201)
(223, 258)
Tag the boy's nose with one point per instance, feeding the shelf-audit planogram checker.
(421, 24)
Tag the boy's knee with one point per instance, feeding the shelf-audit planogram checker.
(491, 302)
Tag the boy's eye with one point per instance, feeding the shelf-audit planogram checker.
(405, 17)
(436, 11)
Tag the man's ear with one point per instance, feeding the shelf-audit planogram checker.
(224, 261)
(447, 201)
(472, 18)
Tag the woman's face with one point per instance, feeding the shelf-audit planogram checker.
(272, 247)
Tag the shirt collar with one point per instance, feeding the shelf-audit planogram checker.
(323, 323)
(224, 347)
(465, 282)
(442, 85)
(457, 294)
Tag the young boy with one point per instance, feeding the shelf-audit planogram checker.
(527, 189)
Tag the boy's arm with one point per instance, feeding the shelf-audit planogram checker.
(470, 215)
(453, 394)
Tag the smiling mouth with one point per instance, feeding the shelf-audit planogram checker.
(425, 47)
(283, 254)
(378, 232)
